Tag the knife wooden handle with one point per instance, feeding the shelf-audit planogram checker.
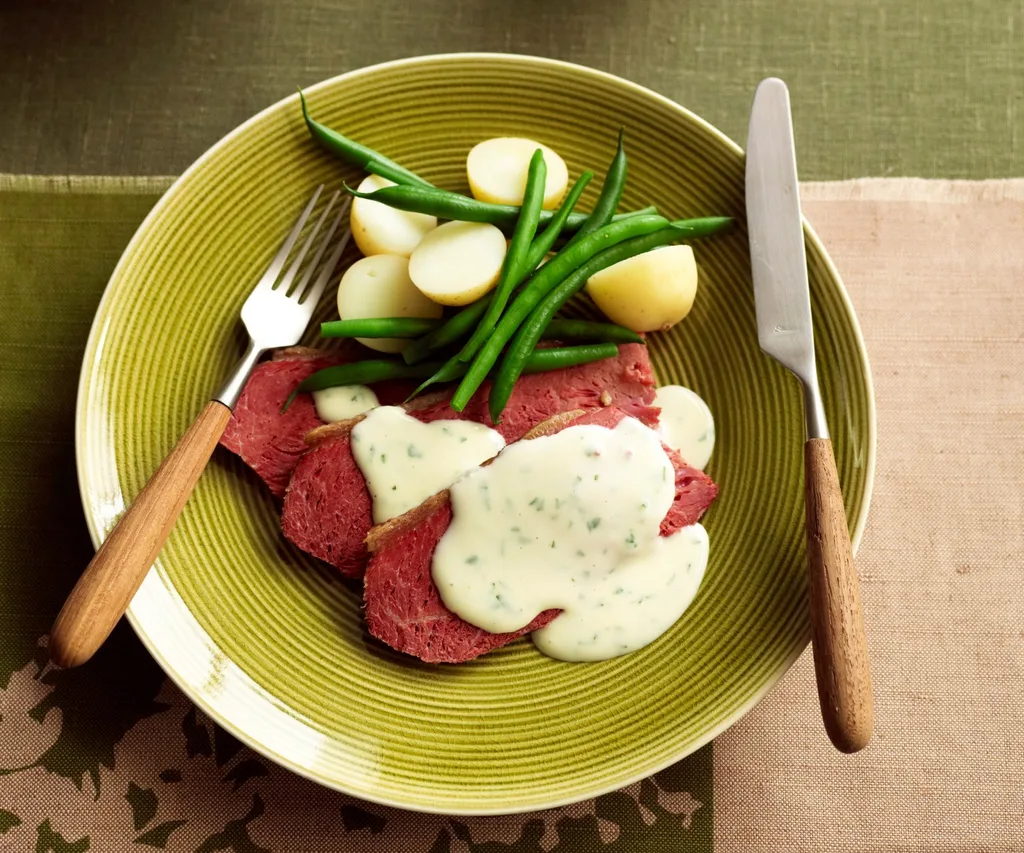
(837, 625)
(108, 583)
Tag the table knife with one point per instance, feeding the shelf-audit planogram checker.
(784, 332)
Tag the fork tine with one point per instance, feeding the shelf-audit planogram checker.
(300, 288)
(277, 264)
(325, 275)
(293, 268)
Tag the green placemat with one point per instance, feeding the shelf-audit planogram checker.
(111, 756)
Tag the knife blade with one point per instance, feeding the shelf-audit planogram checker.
(777, 256)
(784, 331)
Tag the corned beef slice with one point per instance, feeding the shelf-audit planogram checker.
(404, 610)
(267, 441)
(625, 382)
(403, 607)
(270, 442)
(327, 509)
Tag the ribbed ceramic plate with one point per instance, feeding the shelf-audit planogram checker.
(271, 644)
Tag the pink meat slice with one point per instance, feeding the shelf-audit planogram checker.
(327, 508)
(405, 610)
(270, 442)
(625, 382)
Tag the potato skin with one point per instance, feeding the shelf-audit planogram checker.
(650, 292)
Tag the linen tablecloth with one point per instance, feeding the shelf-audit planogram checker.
(112, 757)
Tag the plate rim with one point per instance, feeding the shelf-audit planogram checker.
(97, 334)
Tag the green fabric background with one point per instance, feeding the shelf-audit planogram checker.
(931, 88)
(57, 251)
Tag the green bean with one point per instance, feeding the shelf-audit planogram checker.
(379, 370)
(543, 281)
(554, 358)
(574, 223)
(611, 194)
(586, 330)
(358, 155)
(544, 241)
(530, 331)
(513, 269)
(448, 371)
(453, 330)
(448, 205)
(356, 373)
(379, 327)
(459, 325)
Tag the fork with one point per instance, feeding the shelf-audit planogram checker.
(275, 314)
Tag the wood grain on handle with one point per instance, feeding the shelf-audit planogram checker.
(837, 625)
(102, 594)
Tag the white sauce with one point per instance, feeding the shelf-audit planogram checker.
(343, 402)
(571, 521)
(656, 588)
(405, 461)
(686, 424)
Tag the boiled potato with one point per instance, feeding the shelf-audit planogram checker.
(650, 292)
(458, 262)
(379, 286)
(382, 230)
(498, 168)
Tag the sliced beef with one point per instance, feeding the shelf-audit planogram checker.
(625, 382)
(404, 610)
(267, 441)
(270, 442)
(403, 606)
(327, 508)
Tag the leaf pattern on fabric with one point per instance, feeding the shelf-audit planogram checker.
(160, 834)
(355, 818)
(461, 831)
(442, 844)
(245, 770)
(197, 738)
(235, 835)
(529, 840)
(99, 706)
(204, 767)
(144, 805)
(8, 820)
(50, 841)
(24, 736)
(225, 745)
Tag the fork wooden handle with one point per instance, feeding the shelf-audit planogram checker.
(104, 590)
(837, 625)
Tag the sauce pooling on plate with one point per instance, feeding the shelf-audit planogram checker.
(571, 521)
(405, 461)
(686, 424)
(343, 402)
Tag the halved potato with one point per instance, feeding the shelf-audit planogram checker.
(458, 262)
(379, 286)
(382, 230)
(497, 170)
(650, 292)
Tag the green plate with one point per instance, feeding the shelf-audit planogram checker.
(271, 644)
